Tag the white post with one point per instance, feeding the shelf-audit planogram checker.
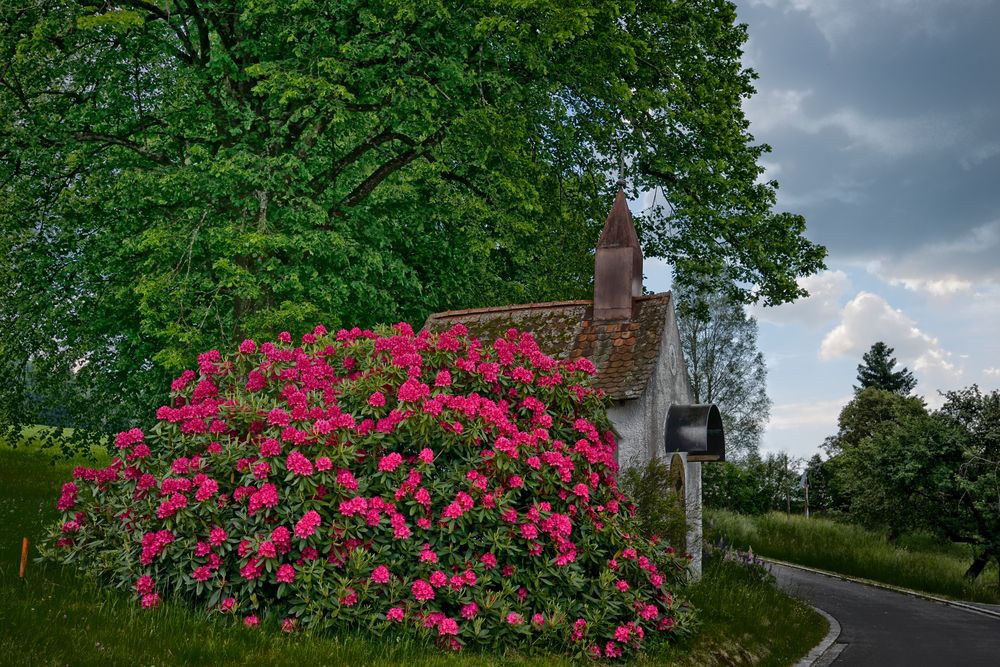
(692, 475)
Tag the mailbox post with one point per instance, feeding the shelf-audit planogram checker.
(694, 434)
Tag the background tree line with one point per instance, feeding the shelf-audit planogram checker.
(893, 465)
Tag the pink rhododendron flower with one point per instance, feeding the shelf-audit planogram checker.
(380, 575)
(346, 479)
(390, 462)
(217, 536)
(308, 524)
(145, 585)
(251, 621)
(422, 590)
(150, 600)
(448, 626)
(376, 400)
(285, 574)
(515, 619)
(395, 614)
(227, 605)
(426, 455)
(470, 610)
(297, 463)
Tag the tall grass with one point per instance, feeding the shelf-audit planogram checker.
(59, 617)
(918, 562)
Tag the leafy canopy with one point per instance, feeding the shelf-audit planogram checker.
(178, 174)
(939, 471)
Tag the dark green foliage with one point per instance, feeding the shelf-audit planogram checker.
(658, 507)
(871, 410)
(719, 341)
(756, 486)
(178, 175)
(899, 468)
(876, 371)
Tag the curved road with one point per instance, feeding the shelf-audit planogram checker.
(883, 628)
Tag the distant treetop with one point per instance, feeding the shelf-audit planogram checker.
(876, 370)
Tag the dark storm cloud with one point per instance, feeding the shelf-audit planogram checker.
(884, 116)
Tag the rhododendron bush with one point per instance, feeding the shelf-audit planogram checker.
(392, 482)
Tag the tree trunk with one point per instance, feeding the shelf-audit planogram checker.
(977, 567)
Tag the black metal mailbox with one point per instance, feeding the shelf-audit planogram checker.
(697, 430)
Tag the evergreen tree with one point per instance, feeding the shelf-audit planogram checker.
(877, 372)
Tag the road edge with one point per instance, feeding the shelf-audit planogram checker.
(971, 608)
(822, 648)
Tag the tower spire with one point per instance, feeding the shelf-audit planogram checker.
(617, 264)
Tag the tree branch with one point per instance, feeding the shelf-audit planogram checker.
(125, 143)
(366, 186)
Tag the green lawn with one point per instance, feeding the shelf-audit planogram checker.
(57, 617)
(919, 562)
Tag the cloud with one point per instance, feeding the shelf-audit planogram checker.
(868, 318)
(945, 268)
(794, 416)
(843, 21)
(826, 290)
(992, 372)
(894, 136)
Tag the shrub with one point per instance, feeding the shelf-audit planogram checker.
(659, 510)
(391, 482)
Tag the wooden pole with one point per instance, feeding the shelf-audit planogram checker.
(807, 501)
(24, 557)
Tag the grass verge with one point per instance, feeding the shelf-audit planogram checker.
(916, 562)
(58, 617)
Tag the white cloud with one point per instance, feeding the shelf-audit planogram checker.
(992, 372)
(868, 318)
(948, 267)
(794, 416)
(826, 290)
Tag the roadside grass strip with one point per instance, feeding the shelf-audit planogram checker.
(916, 562)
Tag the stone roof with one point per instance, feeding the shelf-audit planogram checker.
(624, 351)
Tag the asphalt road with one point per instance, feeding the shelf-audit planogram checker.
(883, 628)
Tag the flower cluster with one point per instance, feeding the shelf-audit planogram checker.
(442, 487)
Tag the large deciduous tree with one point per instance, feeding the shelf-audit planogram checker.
(176, 174)
(719, 341)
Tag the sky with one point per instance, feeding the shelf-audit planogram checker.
(884, 121)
